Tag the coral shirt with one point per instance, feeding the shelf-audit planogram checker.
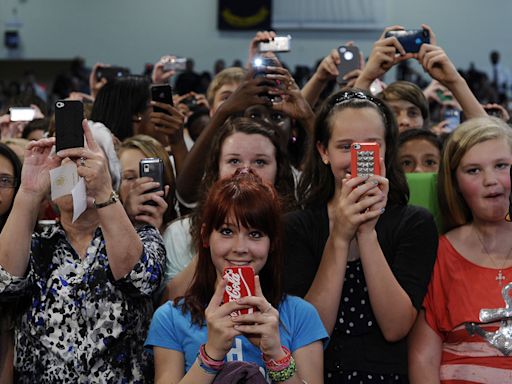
(459, 289)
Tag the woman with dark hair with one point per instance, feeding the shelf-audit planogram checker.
(358, 252)
(124, 106)
(240, 226)
(10, 174)
(240, 143)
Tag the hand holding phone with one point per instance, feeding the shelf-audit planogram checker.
(349, 61)
(365, 159)
(152, 167)
(163, 94)
(239, 283)
(412, 39)
(69, 132)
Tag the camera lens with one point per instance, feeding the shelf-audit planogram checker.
(348, 55)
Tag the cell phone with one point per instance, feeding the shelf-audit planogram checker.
(69, 132)
(453, 117)
(411, 39)
(163, 94)
(259, 65)
(111, 73)
(239, 283)
(349, 60)
(152, 167)
(277, 44)
(364, 159)
(22, 113)
(176, 64)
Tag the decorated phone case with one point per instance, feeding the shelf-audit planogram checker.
(239, 283)
(365, 159)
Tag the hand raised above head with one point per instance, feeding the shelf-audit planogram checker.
(92, 165)
(38, 161)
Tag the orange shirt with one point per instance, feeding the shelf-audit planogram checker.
(459, 289)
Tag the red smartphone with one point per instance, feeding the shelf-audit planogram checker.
(239, 283)
(365, 159)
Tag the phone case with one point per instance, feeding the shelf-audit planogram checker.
(365, 159)
(349, 60)
(68, 124)
(163, 94)
(152, 167)
(278, 44)
(411, 40)
(111, 73)
(239, 283)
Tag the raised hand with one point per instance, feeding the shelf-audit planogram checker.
(138, 211)
(221, 328)
(92, 166)
(260, 327)
(39, 160)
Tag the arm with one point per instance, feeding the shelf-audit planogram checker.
(94, 84)
(325, 292)
(326, 71)
(123, 244)
(424, 350)
(246, 95)
(382, 58)
(171, 124)
(35, 185)
(438, 65)
(180, 283)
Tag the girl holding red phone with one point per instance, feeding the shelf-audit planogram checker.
(358, 252)
(196, 338)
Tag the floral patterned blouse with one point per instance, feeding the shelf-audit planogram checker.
(79, 325)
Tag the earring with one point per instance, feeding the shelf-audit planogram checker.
(325, 161)
(293, 139)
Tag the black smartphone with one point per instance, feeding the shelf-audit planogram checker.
(69, 132)
(349, 60)
(163, 94)
(496, 112)
(111, 73)
(152, 167)
(411, 39)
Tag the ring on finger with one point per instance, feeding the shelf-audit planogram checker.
(81, 161)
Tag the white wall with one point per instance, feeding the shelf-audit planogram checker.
(132, 32)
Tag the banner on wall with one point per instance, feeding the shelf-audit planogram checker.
(237, 15)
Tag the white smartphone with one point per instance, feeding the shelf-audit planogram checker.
(22, 113)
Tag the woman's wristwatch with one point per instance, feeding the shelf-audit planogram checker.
(114, 198)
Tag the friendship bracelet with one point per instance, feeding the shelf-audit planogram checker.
(285, 374)
(279, 365)
(207, 355)
(216, 365)
(205, 368)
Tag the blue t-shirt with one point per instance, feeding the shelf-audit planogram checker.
(299, 326)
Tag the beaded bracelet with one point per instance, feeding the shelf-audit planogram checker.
(284, 374)
(278, 365)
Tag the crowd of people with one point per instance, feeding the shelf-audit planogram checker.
(352, 282)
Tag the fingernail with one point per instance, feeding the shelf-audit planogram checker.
(376, 182)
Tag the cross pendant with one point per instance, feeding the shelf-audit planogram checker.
(500, 278)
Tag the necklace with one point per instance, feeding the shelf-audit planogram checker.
(500, 277)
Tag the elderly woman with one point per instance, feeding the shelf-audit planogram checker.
(88, 283)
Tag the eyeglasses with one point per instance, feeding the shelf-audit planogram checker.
(8, 182)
